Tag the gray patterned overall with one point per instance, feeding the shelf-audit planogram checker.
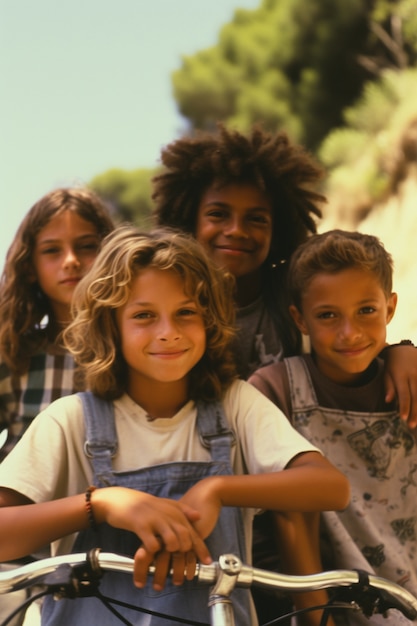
(378, 453)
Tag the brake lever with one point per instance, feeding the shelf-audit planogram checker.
(77, 581)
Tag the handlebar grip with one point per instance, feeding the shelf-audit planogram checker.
(376, 595)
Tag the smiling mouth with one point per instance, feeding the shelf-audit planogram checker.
(352, 350)
(69, 281)
(230, 250)
(168, 355)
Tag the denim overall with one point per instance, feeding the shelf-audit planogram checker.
(170, 480)
(378, 452)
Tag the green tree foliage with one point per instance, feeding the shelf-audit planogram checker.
(309, 67)
(128, 193)
(392, 39)
(374, 152)
(287, 64)
(375, 148)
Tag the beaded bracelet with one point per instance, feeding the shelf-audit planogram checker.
(89, 508)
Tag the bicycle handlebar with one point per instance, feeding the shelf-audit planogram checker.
(354, 583)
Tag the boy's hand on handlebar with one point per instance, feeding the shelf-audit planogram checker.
(201, 504)
(183, 566)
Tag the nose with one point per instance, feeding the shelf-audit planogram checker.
(71, 258)
(168, 330)
(349, 329)
(235, 227)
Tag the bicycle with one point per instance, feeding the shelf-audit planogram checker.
(78, 575)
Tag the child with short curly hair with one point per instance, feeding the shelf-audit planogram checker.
(250, 200)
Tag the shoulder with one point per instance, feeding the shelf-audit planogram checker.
(244, 402)
(72, 402)
(49, 461)
(57, 428)
(65, 414)
(265, 435)
(241, 391)
(268, 375)
(272, 381)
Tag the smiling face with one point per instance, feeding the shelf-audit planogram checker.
(345, 315)
(162, 335)
(234, 224)
(63, 253)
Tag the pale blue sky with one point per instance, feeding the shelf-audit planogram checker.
(86, 86)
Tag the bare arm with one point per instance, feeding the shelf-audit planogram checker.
(309, 483)
(401, 380)
(158, 522)
(299, 548)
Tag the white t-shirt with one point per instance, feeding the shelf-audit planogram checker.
(49, 462)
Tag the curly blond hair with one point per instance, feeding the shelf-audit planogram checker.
(93, 336)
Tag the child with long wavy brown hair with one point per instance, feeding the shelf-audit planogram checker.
(53, 248)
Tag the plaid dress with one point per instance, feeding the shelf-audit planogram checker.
(22, 397)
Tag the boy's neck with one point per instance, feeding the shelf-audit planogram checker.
(355, 380)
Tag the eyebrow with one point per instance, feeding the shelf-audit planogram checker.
(144, 303)
(324, 305)
(77, 238)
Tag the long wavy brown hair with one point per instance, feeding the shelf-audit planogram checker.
(286, 172)
(93, 336)
(22, 304)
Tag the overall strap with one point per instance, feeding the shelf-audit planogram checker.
(303, 395)
(100, 436)
(214, 430)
